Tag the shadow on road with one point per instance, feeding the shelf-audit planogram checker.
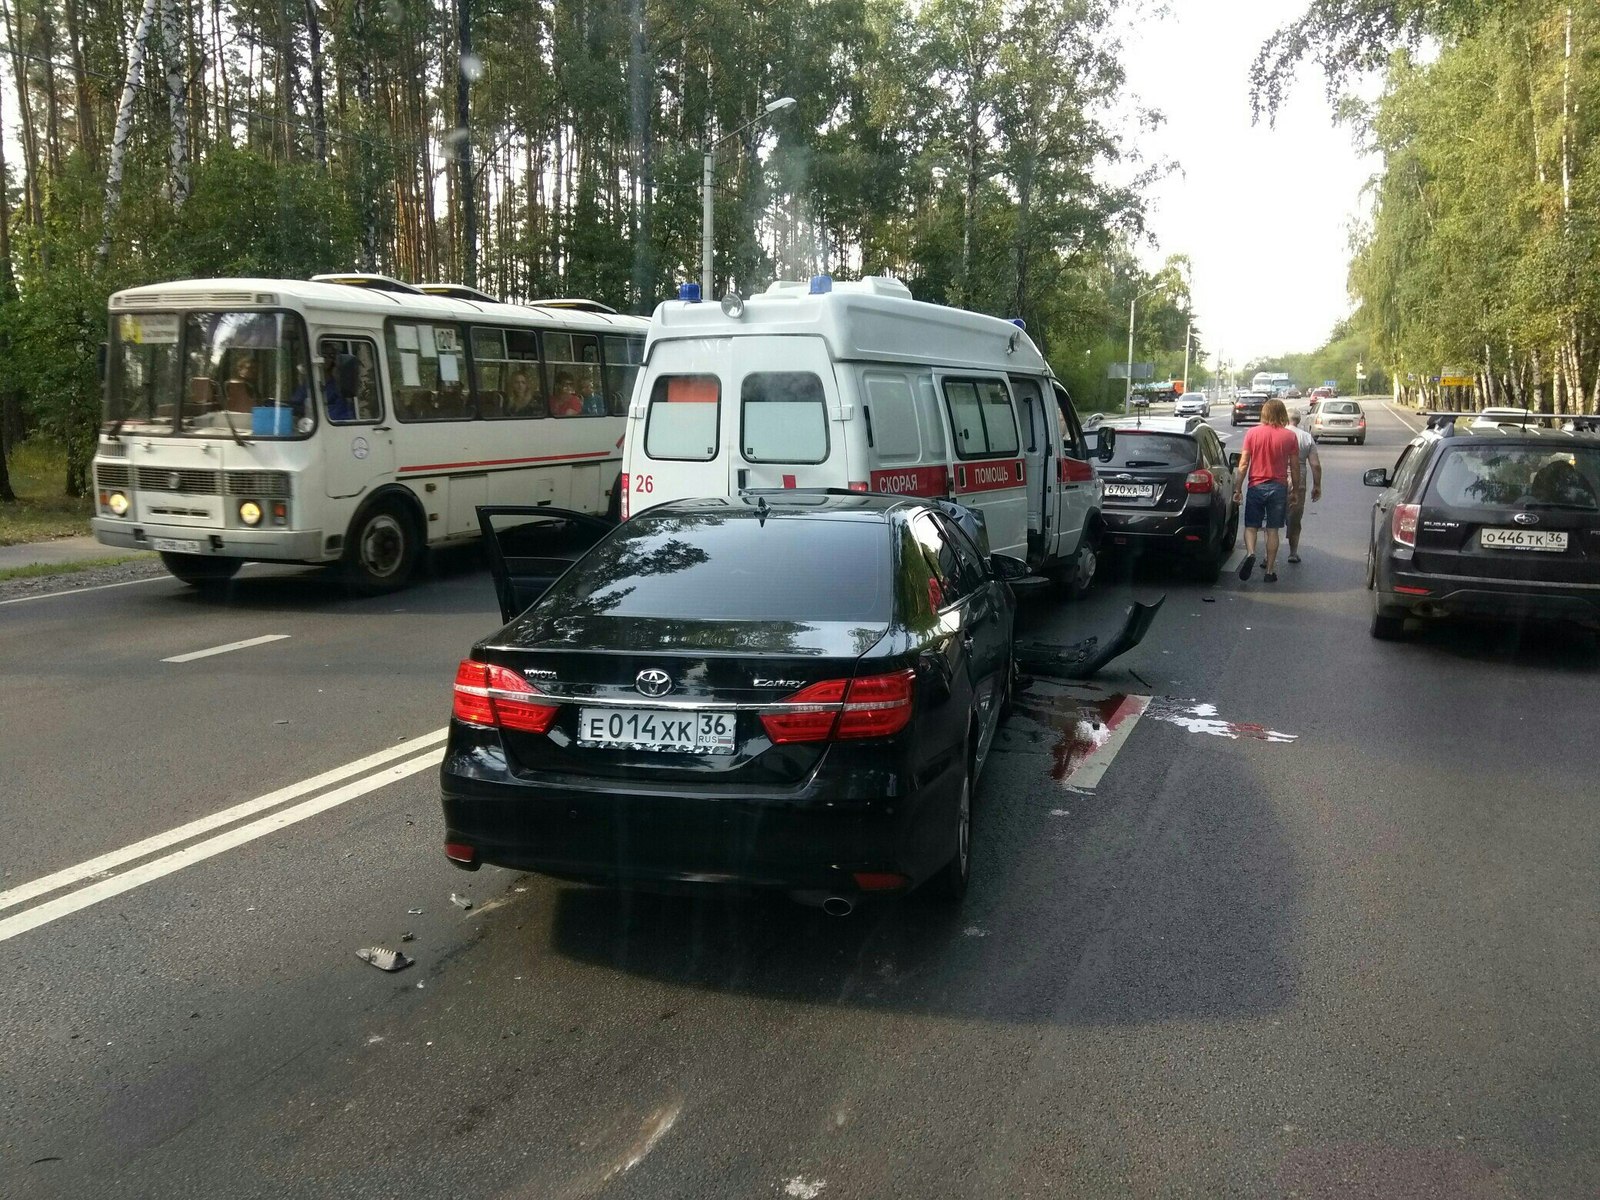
(1178, 905)
(461, 569)
(1532, 645)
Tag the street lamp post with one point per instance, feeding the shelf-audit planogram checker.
(708, 170)
(1188, 338)
(1127, 396)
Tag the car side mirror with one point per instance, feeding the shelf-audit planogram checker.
(1105, 443)
(102, 359)
(1015, 572)
(1377, 477)
(1234, 460)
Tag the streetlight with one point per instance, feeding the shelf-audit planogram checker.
(1127, 397)
(707, 180)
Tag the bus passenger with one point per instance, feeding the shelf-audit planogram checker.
(521, 398)
(566, 402)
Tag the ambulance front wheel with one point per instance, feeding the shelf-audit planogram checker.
(1078, 576)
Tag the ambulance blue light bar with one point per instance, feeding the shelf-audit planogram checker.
(689, 292)
(821, 285)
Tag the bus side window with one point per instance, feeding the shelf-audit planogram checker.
(928, 418)
(365, 407)
(429, 360)
(623, 356)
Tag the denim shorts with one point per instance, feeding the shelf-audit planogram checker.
(1266, 505)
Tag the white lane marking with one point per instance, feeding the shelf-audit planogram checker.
(99, 587)
(244, 645)
(1395, 413)
(73, 902)
(161, 841)
(1116, 729)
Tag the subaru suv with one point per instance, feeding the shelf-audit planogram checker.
(1500, 522)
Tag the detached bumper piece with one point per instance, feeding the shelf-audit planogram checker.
(1082, 660)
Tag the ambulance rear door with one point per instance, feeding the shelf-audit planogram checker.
(783, 416)
(987, 469)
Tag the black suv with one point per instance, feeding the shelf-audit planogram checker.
(1247, 407)
(1499, 521)
(1169, 490)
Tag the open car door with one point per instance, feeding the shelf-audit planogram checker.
(530, 547)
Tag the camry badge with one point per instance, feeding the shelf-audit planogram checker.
(1525, 518)
(653, 682)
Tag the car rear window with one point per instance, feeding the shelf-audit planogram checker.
(1137, 448)
(1518, 477)
(1345, 407)
(726, 567)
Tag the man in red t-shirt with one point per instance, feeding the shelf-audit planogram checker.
(1270, 462)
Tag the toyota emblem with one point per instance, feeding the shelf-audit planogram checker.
(1525, 518)
(653, 682)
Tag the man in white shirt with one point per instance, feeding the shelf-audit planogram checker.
(1297, 498)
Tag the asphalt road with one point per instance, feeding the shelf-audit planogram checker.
(1326, 925)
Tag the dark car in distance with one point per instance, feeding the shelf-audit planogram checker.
(1498, 521)
(781, 690)
(1247, 407)
(1168, 490)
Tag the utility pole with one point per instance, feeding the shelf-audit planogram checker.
(1188, 338)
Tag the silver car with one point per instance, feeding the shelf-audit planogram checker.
(1192, 404)
(1339, 419)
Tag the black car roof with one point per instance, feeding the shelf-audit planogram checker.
(798, 502)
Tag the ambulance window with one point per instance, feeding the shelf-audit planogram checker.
(785, 417)
(981, 417)
(894, 416)
(928, 417)
(998, 418)
(682, 421)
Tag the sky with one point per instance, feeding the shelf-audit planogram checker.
(1264, 213)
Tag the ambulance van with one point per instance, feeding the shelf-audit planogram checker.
(858, 386)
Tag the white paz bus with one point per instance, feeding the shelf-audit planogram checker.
(857, 385)
(349, 419)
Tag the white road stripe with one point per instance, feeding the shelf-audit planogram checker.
(244, 645)
(99, 587)
(1094, 765)
(73, 902)
(1395, 413)
(99, 865)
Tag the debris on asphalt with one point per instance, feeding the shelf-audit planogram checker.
(460, 901)
(1208, 599)
(413, 912)
(384, 959)
(407, 936)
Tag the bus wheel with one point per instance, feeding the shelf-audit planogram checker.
(381, 551)
(201, 570)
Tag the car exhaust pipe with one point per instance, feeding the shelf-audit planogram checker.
(838, 906)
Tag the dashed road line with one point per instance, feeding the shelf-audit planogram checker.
(231, 646)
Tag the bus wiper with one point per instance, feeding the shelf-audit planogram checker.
(228, 420)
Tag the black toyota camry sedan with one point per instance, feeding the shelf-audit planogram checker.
(785, 690)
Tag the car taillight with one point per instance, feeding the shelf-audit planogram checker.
(1405, 523)
(1200, 481)
(868, 707)
(623, 505)
(499, 698)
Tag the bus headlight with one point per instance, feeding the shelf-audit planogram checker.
(117, 502)
(249, 512)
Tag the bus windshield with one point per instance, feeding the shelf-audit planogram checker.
(210, 374)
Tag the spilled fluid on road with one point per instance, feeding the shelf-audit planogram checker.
(1082, 722)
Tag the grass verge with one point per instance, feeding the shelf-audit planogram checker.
(41, 511)
(39, 570)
